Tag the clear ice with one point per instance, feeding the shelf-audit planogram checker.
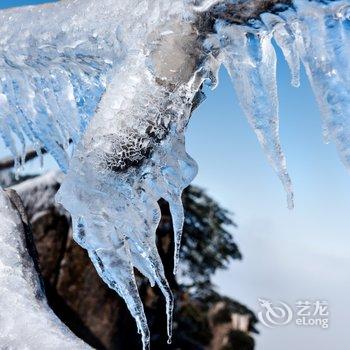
(108, 89)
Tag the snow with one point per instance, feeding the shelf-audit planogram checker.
(26, 320)
(37, 194)
(119, 84)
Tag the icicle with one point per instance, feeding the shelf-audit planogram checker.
(113, 265)
(5, 129)
(250, 60)
(177, 214)
(324, 41)
(144, 246)
(284, 38)
(152, 268)
(285, 41)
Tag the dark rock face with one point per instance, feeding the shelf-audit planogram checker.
(51, 234)
(98, 307)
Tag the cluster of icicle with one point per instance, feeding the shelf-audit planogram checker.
(314, 33)
(85, 73)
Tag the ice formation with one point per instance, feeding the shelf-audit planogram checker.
(26, 320)
(108, 87)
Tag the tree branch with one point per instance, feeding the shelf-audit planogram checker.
(9, 163)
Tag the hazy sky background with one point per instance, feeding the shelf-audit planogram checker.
(301, 254)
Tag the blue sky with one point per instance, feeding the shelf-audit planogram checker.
(10, 3)
(288, 255)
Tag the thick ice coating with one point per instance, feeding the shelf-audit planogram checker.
(26, 320)
(117, 82)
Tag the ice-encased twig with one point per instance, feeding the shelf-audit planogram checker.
(115, 177)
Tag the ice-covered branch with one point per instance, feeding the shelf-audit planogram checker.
(121, 81)
(26, 321)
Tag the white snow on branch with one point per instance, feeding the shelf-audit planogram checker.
(26, 320)
(38, 193)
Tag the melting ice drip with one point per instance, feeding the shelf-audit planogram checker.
(120, 84)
